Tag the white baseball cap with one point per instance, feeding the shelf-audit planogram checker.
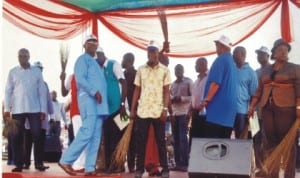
(224, 40)
(90, 37)
(263, 49)
(38, 64)
(152, 46)
(99, 49)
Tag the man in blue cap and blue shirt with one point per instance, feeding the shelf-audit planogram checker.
(92, 100)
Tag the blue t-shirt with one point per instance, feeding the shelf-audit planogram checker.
(222, 108)
(247, 86)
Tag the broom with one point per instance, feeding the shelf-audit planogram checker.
(283, 151)
(120, 153)
(64, 55)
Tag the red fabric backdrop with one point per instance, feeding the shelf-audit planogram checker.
(191, 28)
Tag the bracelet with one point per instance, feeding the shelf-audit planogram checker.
(122, 104)
(297, 107)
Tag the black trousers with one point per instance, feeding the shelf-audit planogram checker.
(112, 136)
(197, 126)
(131, 154)
(28, 146)
(212, 130)
(18, 140)
(142, 130)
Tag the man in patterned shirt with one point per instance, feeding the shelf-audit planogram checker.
(150, 106)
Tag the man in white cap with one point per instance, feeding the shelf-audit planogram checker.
(92, 100)
(116, 96)
(221, 90)
(263, 55)
(150, 106)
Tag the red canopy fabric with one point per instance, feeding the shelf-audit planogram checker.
(191, 28)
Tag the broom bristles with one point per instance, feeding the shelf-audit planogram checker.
(119, 155)
(283, 151)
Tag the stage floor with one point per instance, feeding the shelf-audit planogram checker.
(56, 172)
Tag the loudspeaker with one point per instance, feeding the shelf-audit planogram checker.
(216, 158)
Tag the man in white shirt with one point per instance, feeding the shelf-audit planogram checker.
(25, 98)
(45, 126)
(58, 115)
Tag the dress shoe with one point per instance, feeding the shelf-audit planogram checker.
(17, 169)
(41, 167)
(154, 173)
(67, 168)
(93, 173)
(79, 170)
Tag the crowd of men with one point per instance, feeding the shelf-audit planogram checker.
(220, 101)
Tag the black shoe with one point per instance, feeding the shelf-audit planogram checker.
(41, 167)
(16, 169)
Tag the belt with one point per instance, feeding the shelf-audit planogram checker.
(280, 85)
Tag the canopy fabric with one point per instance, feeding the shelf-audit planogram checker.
(105, 5)
(192, 26)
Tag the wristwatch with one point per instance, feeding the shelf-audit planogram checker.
(122, 104)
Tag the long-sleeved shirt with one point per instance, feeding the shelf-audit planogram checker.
(25, 91)
(246, 87)
(184, 90)
(59, 113)
(90, 79)
(45, 122)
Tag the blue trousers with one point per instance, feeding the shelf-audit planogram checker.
(88, 137)
(181, 146)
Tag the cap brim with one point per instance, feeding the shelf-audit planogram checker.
(217, 41)
(152, 48)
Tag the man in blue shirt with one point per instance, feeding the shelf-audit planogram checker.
(247, 84)
(220, 93)
(93, 107)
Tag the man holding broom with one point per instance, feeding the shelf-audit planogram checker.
(150, 106)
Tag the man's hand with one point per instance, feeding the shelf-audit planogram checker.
(163, 116)
(98, 97)
(250, 112)
(43, 116)
(6, 115)
(202, 105)
(62, 76)
(123, 112)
